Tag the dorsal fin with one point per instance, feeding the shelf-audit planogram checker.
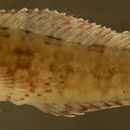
(68, 28)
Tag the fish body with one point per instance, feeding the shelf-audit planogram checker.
(62, 65)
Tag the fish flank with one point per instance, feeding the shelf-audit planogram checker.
(60, 64)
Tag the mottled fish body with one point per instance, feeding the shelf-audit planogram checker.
(60, 64)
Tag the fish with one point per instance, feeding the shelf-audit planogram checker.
(62, 65)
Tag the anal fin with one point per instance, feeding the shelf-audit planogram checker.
(73, 109)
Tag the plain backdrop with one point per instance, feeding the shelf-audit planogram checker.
(110, 13)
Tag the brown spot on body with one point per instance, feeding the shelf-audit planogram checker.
(49, 77)
(60, 92)
(8, 98)
(24, 58)
(48, 90)
(61, 76)
(107, 104)
(4, 28)
(68, 107)
(31, 90)
(26, 95)
(62, 82)
(111, 73)
(20, 51)
(124, 91)
(21, 98)
(39, 94)
(46, 42)
(100, 73)
(47, 83)
(82, 107)
(79, 43)
(58, 38)
(23, 66)
(125, 49)
(94, 106)
(27, 31)
(51, 37)
(69, 70)
(96, 48)
(102, 50)
(7, 36)
(51, 67)
(118, 103)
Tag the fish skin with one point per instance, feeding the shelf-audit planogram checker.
(60, 64)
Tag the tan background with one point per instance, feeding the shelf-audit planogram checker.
(112, 13)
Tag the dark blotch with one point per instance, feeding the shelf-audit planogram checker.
(27, 31)
(27, 52)
(82, 107)
(68, 107)
(51, 67)
(107, 104)
(125, 49)
(23, 66)
(8, 98)
(26, 95)
(49, 77)
(32, 90)
(118, 103)
(24, 58)
(47, 83)
(69, 70)
(48, 43)
(51, 37)
(102, 50)
(61, 76)
(58, 38)
(39, 94)
(7, 36)
(4, 28)
(61, 82)
(94, 106)
(21, 98)
(124, 91)
(48, 90)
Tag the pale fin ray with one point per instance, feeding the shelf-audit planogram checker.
(74, 109)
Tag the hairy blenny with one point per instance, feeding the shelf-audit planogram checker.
(60, 64)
